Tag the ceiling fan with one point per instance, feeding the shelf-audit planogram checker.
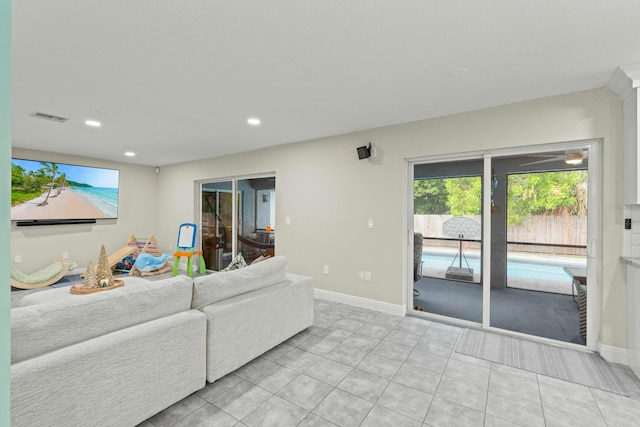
(572, 158)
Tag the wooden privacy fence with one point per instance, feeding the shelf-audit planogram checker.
(567, 230)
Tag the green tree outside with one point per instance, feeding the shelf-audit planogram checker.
(563, 193)
(548, 192)
(465, 195)
(430, 197)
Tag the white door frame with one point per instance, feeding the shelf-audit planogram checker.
(594, 254)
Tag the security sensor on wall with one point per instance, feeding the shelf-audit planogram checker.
(365, 151)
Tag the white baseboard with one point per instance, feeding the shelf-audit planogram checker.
(383, 307)
(614, 354)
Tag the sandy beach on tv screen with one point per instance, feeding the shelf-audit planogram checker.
(68, 204)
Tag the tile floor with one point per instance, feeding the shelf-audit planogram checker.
(357, 367)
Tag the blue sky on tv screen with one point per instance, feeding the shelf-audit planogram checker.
(96, 177)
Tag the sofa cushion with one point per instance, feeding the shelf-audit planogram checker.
(53, 319)
(219, 286)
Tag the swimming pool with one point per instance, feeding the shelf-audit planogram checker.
(524, 268)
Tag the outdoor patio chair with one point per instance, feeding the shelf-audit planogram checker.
(418, 240)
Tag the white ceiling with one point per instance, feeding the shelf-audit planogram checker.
(176, 80)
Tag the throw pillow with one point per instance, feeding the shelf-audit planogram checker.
(238, 262)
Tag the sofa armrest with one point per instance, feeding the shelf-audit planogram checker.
(121, 378)
(241, 328)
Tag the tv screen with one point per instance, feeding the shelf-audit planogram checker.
(57, 191)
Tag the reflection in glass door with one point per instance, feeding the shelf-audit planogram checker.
(217, 224)
(256, 229)
(248, 230)
(447, 239)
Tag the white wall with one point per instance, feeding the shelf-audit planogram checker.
(136, 215)
(329, 194)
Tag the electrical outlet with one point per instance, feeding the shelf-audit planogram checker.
(65, 255)
(367, 276)
(627, 224)
(288, 220)
(325, 269)
(17, 259)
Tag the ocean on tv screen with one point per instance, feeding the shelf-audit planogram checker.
(56, 191)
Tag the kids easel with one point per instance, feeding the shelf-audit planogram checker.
(186, 248)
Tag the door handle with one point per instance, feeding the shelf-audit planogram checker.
(592, 248)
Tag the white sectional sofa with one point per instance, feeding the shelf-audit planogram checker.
(111, 358)
(251, 310)
(119, 357)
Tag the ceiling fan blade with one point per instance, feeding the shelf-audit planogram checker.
(550, 159)
(584, 154)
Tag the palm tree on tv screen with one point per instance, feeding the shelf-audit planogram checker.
(51, 169)
(62, 183)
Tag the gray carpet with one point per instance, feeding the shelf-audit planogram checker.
(571, 365)
(542, 314)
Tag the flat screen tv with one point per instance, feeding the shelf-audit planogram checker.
(58, 193)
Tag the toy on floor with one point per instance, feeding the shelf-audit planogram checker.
(143, 246)
(186, 248)
(116, 257)
(43, 277)
(148, 264)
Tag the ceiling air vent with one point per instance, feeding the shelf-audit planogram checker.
(49, 117)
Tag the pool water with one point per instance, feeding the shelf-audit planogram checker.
(515, 267)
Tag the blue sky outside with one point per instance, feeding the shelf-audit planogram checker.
(96, 177)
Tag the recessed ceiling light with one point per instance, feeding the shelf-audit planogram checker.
(253, 121)
(129, 154)
(93, 123)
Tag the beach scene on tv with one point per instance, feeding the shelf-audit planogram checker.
(46, 190)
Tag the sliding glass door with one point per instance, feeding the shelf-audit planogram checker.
(508, 241)
(237, 217)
